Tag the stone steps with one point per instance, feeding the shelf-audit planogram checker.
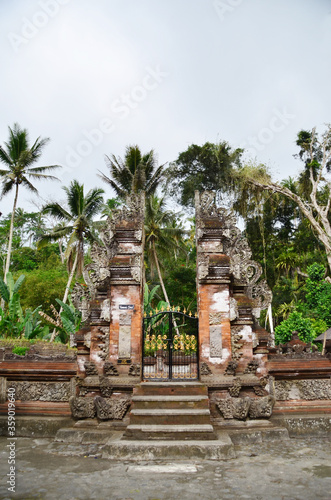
(171, 402)
(170, 411)
(170, 432)
(170, 417)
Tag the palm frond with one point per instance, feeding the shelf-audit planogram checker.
(57, 211)
(4, 157)
(6, 187)
(43, 168)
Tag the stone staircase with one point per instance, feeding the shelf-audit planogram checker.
(170, 411)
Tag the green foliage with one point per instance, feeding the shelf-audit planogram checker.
(21, 351)
(43, 286)
(295, 322)
(207, 167)
(71, 318)
(318, 295)
(14, 322)
(134, 173)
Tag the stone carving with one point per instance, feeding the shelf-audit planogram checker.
(234, 407)
(106, 388)
(134, 370)
(203, 266)
(80, 297)
(98, 274)
(215, 333)
(231, 367)
(90, 368)
(125, 319)
(236, 342)
(252, 366)
(261, 407)
(260, 389)
(204, 369)
(296, 348)
(82, 407)
(234, 313)
(302, 389)
(215, 318)
(110, 370)
(220, 224)
(234, 390)
(41, 391)
(261, 294)
(240, 408)
(111, 409)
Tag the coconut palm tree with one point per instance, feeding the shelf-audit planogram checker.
(162, 235)
(137, 172)
(78, 225)
(18, 157)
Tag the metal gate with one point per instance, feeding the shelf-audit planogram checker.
(170, 347)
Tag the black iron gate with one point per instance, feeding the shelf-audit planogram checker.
(170, 345)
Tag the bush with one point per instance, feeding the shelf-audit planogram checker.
(295, 322)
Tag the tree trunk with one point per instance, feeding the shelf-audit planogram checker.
(10, 241)
(66, 293)
(162, 284)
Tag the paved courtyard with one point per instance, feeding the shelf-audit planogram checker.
(285, 470)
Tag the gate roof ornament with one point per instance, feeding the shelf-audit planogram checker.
(117, 257)
(216, 233)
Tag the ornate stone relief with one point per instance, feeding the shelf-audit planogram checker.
(90, 368)
(98, 274)
(41, 391)
(236, 342)
(308, 390)
(82, 407)
(111, 409)
(216, 223)
(234, 390)
(110, 370)
(204, 369)
(215, 318)
(240, 408)
(215, 335)
(135, 370)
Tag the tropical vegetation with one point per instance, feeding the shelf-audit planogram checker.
(287, 224)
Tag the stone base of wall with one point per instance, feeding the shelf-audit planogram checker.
(32, 427)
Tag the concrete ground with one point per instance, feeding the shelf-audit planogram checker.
(293, 469)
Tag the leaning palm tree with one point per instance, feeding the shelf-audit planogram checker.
(162, 235)
(78, 226)
(18, 157)
(135, 173)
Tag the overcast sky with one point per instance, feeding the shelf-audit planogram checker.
(96, 76)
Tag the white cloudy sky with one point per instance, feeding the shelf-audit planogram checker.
(95, 76)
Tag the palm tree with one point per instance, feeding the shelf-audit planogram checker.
(162, 235)
(78, 226)
(18, 157)
(135, 173)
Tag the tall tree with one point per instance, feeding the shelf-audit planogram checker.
(78, 228)
(311, 191)
(136, 172)
(18, 157)
(207, 167)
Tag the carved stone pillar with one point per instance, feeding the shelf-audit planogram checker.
(112, 301)
(230, 295)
